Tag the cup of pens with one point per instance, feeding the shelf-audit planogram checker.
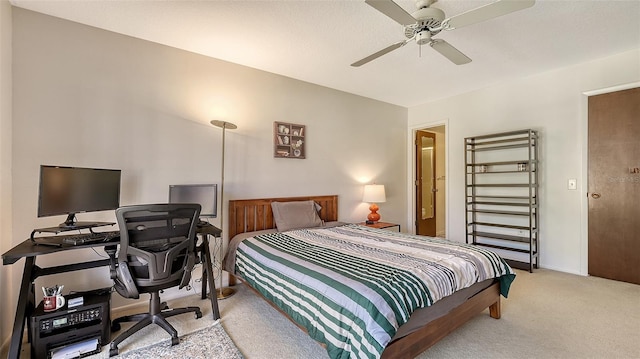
(53, 298)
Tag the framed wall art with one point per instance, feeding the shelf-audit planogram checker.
(289, 140)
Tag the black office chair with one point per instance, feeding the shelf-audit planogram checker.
(157, 251)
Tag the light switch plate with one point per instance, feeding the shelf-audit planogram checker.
(572, 184)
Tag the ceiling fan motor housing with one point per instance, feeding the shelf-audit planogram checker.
(428, 19)
(424, 3)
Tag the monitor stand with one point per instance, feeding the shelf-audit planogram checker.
(71, 224)
(64, 228)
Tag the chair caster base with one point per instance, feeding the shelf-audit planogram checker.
(175, 341)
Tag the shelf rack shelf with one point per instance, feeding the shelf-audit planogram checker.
(501, 182)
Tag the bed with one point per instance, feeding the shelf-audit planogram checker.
(400, 330)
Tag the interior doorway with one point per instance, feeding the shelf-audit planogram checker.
(430, 181)
(614, 185)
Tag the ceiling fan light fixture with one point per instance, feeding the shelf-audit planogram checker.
(423, 37)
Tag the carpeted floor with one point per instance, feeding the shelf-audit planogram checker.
(548, 315)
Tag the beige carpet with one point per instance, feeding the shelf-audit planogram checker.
(548, 315)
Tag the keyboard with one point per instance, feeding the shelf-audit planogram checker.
(86, 238)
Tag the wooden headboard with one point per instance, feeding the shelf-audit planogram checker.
(248, 215)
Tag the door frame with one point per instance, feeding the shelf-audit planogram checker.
(584, 201)
(411, 172)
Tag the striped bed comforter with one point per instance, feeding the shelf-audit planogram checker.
(352, 286)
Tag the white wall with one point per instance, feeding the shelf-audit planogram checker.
(5, 162)
(552, 103)
(88, 97)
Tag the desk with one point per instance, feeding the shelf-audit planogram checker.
(29, 251)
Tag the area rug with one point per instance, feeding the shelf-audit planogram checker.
(208, 343)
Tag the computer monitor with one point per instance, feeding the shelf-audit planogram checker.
(71, 190)
(204, 194)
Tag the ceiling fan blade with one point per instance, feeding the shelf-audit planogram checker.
(379, 53)
(392, 10)
(450, 52)
(486, 12)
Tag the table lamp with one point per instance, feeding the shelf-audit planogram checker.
(373, 193)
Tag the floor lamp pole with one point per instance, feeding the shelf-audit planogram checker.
(221, 292)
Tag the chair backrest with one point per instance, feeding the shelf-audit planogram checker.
(157, 246)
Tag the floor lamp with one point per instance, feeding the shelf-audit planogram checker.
(221, 292)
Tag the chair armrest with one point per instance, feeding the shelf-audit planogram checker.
(186, 276)
(113, 264)
(124, 282)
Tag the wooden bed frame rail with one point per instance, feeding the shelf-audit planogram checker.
(417, 342)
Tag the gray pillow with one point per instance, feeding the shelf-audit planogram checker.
(295, 215)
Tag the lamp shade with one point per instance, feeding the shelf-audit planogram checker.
(374, 193)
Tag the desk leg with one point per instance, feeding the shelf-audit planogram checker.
(210, 279)
(203, 260)
(21, 312)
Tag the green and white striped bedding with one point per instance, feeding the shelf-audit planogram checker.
(352, 286)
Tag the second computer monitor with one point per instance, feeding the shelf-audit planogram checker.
(204, 194)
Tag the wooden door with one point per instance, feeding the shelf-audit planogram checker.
(614, 185)
(425, 183)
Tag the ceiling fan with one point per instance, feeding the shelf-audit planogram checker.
(428, 21)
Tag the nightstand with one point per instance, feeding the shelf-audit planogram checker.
(381, 225)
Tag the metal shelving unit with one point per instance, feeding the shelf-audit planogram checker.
(502, 202)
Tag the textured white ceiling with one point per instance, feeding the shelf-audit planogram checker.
(317, 40)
